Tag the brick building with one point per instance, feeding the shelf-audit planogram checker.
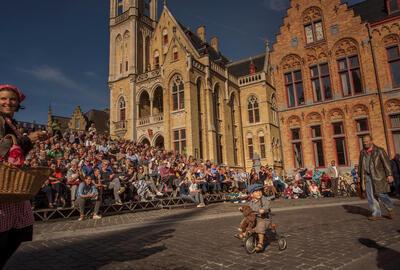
(336, 72)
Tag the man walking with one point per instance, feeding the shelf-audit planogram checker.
(375, 175)
(333, 173)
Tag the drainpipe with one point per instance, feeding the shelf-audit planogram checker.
(385, 126)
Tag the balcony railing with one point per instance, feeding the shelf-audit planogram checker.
(150, 119)
(251, 78)
(158, 118)
(144, 121)
(120, 125)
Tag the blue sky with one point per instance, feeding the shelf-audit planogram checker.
(57, 51)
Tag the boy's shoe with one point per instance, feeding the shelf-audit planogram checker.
(201, 205)
(159, 193)
(390, 214)
(97, 216)
(374, 218)
(118, 203)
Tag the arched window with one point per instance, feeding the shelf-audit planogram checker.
(261, 140)
(165, 37)
(147, 54)
(250, 145)
(144, 105)
(349, 67)
(178, 94)
(156, 59)
(253, 110)
(121, 109)
(393, 55)
(118, 54)
(293, 80)
(126, 51)
(175, 55)
(312, 20)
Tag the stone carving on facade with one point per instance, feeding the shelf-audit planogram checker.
(336, 114)
(312, 14)
(390, 39)
(345, 46)
(359, 110)
(294, 121)
(313, 118)
(291, 61)
(392, 105)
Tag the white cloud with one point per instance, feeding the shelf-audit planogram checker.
(276, 5)
(90, 74)
(54, 75)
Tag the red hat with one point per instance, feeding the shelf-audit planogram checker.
(20, 95)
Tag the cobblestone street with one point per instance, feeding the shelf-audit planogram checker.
(321, 234)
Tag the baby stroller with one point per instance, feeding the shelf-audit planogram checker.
(251, 240)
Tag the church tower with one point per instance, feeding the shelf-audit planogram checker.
(131, 26)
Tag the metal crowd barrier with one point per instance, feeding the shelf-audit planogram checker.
(108, 208)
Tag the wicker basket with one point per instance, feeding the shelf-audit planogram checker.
(18, 185)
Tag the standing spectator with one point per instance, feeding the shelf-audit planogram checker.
(375, 176)
(73, 180)
(87, 191)
(333, 173)
(396, 174)
(16, 218)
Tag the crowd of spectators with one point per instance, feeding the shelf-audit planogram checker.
(90, 167)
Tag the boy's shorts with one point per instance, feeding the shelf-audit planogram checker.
(261, 226)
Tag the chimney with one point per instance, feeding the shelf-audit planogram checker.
(201, 32)
(214, 43)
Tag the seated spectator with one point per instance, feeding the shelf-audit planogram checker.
(87, 192)
(142, 188)
(325, 190)
(297, 191)
(314, 191)
(195, 192)
(111, 181)
(58, 186)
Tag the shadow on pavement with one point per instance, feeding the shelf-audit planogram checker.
(357, 210)
(386, 258)
(100, 250)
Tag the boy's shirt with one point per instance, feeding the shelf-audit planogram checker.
(263, 203)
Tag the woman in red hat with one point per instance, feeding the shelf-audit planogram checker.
(16, 219)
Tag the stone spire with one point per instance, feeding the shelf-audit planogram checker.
(267, 57)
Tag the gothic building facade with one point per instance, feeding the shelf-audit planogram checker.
(170, 87)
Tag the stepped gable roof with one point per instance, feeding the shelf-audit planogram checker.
(373, 11)
(242, 67)
(203, 47)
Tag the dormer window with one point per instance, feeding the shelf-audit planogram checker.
(175, 55)
(156, 59)
(313, 28)
(393, 6)
(165, 37)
